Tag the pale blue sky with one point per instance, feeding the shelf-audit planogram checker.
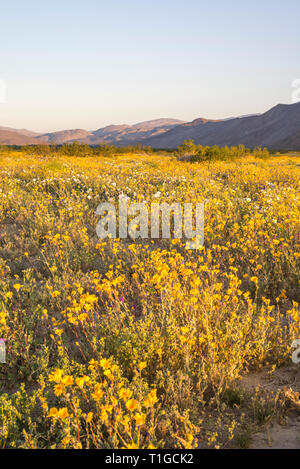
(86, 64)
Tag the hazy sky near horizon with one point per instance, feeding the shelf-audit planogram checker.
(74, 64)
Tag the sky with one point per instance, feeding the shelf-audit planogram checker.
(86, 64)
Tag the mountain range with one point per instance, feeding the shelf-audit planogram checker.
(278, 128)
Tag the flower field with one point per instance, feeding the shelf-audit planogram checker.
(121, 344)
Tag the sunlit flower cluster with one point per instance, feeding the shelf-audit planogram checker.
(121, 344)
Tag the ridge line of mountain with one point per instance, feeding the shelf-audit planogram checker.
(277, 128)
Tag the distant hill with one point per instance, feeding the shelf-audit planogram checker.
(112, 134)
(278, 128)
(131, 134)
(26, 132)
(64, 136)
(10, 137)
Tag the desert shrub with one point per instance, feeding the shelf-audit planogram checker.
(261, 153)
(198, 153)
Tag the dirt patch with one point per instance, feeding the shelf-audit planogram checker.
(286, 433)
(279, 436)
(279, 379)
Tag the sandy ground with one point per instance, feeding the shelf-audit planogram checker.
(285, 435)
